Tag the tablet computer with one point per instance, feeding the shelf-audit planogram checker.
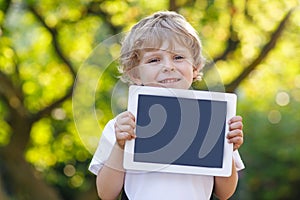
(180, 131)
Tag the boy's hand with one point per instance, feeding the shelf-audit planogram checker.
(124, 128)
(235, 134)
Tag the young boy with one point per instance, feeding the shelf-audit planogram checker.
(162, 50)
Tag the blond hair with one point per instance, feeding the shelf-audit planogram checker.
(151, 32)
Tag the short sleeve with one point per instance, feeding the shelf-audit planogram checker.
(104, 148)
(238, 161)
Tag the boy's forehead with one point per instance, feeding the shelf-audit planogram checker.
(167, 45)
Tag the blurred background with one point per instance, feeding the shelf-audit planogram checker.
(254, 46)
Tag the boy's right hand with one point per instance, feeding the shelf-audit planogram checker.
(124, 128)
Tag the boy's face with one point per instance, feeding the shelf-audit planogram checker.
(165, 68)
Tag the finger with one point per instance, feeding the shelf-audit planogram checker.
(128, 114)
(236, 141)
(236, 125)
(124, 128)
(122, 137)
(124, 117)
(235, 133)
(236, 146)
(235, 119)
(124, 121)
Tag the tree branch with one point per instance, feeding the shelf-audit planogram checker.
(55, 43)
(264, 52)
(173, 6)
(47, 110)
(4, 8)
(12, 95)
(231, 44)
(93, 8)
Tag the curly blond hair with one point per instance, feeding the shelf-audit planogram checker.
(151, 32)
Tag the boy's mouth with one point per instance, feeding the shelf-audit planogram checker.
(169, 80)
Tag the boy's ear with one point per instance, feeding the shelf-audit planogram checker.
(196, 70)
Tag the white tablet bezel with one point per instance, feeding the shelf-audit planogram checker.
(130, 164)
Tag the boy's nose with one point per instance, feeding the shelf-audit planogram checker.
(168, 66)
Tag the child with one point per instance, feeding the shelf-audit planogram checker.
(162, 50)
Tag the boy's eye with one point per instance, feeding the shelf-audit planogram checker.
(178, 57)
(153, 60)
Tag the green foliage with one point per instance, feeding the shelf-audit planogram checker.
(48, 46)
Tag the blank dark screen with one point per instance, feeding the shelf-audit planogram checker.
(172, 130)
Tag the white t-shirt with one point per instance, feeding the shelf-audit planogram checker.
(156, 185)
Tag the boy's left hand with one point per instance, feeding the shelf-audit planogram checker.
(235, 134)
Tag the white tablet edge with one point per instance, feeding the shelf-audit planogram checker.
(130, 164)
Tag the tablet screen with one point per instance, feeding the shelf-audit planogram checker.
(172, 130)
